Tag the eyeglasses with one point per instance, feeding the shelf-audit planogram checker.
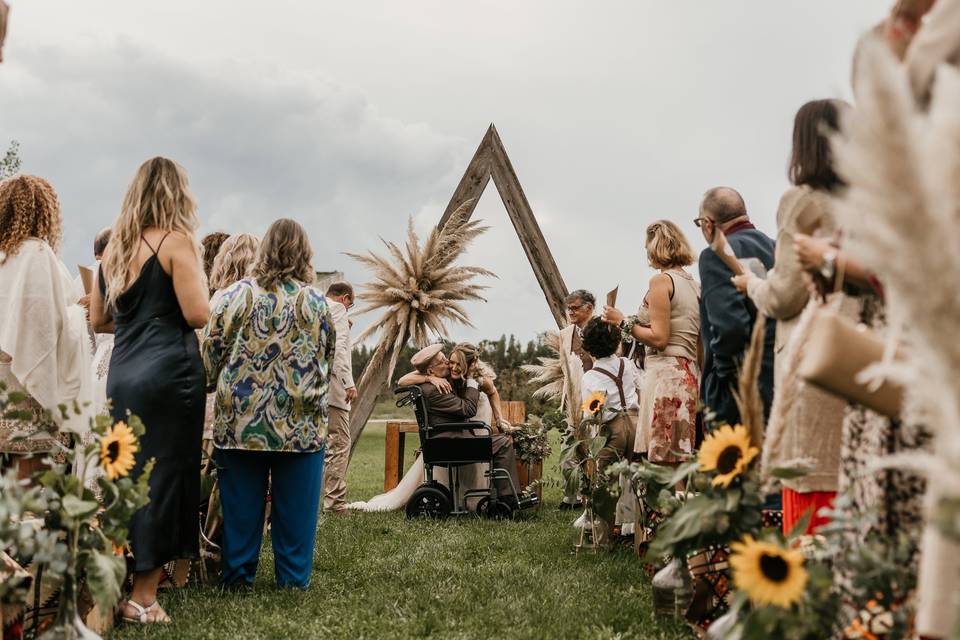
(701, 221)
(573, 308)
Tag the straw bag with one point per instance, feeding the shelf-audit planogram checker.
(837, 351)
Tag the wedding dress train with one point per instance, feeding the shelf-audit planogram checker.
(471, 477)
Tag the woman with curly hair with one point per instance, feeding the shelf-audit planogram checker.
(152, 295)
(268, 351)
(44, 344)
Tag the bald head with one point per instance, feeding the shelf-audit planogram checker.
(723, 204)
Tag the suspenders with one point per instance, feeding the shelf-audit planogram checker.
(617, 380)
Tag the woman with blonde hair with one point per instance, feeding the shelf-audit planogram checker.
(234, 261)
(668, 324)
(152, 295)
(44, 344)
(270, 423)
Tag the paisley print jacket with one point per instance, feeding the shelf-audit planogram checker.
(268, 356)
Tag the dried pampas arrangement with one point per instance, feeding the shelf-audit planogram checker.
(419, 288)
(902, 215)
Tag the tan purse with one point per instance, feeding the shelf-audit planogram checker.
(837, 350)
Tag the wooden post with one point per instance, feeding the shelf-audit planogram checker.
(491, 160)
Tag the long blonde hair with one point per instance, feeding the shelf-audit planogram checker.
(667, 247)
(159, 196)
(29, 208)
(234, 260)
(284, 254)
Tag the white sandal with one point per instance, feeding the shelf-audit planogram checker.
(143, 613)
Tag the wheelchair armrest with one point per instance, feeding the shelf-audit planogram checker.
(406, 389)
(460, 426)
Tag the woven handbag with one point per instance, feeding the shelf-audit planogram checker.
(837, 350)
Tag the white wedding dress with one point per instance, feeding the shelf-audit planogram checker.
(471, 476)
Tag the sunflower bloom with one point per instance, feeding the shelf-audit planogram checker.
(768, 573)
(116, 451)
(594, 403)
(727, 451)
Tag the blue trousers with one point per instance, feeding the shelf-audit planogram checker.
(296, 480)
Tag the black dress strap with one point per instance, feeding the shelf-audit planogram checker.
(157, 250)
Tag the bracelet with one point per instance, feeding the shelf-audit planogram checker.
(626, 328)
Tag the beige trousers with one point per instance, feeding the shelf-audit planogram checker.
(335, 461)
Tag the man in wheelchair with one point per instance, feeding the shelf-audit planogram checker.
(458, 406)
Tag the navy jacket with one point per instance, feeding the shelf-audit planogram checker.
(726, 322)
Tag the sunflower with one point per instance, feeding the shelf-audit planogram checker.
(768, 573)
(727, 451)
(594, 403)
(116, 451)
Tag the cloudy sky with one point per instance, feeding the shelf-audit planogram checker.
(352, 116)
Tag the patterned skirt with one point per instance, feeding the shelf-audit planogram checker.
(668, 409)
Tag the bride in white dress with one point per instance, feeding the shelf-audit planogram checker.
(462, 358)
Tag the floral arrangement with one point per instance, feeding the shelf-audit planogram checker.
(84, 532)
(531, 441)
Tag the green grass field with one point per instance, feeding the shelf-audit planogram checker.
(381, 576)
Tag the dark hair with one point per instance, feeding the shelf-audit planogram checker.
(724, 203)
(600, 339)
(211, 246)
(100, 242)
(340, 288)
(811, 162)
(583, 296)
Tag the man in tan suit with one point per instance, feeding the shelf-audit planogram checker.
(580, 307)
(343, 392)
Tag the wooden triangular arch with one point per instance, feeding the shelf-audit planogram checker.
(490, 161)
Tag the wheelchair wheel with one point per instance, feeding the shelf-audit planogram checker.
(495, 511)
(429, 501)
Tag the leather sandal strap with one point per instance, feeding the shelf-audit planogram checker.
(142, 612)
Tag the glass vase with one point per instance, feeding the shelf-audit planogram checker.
(672, 589)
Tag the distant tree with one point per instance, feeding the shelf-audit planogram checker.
(10, 165)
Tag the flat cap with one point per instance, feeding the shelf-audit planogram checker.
(423, 357)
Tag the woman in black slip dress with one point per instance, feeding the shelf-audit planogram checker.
(156, 372)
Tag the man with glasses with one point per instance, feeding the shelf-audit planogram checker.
(726, 316)
(343, 392)
(580, 306)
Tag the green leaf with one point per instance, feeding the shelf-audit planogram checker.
(76, 508)
(105, 574)
(597, 444)
(683, 472)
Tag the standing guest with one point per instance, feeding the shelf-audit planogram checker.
(152, 295)
(233, 262)
(614, 377)
(574, 361)
(210, 247)
(726, 316)
(668, 324)
(811, 428)
(44, 345)
(580, 306)
(271, 412)
(104, 341)
(343, 392)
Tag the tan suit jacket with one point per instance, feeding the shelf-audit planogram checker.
(341, 378)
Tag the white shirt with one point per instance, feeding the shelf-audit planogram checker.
(595, 381)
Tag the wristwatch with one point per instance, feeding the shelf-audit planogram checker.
(829, 267)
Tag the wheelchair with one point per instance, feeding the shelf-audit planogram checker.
(437, 501)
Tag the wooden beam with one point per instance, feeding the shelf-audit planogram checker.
(491, 160)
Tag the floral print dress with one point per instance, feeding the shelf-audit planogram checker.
(269, 353)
